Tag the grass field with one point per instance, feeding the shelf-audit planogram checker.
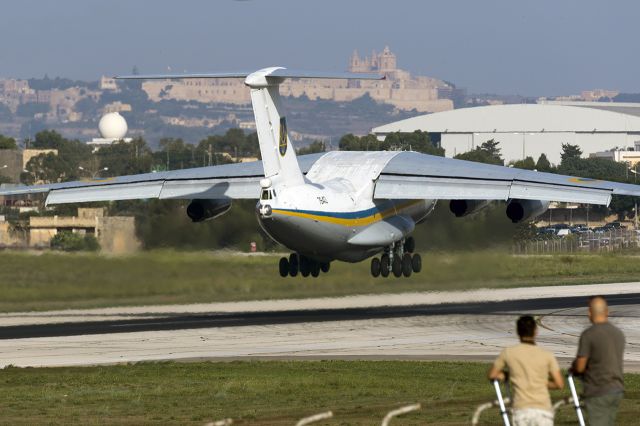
(49, 280)
(264, 393)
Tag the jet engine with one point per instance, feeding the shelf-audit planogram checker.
(465, 207)
(200, 210)
(521, 210)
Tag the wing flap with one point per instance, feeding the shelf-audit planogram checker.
(116, 192)
(546, 192)
(240, 188)
(417, 188)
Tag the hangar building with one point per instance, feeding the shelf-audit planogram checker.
(529, 129)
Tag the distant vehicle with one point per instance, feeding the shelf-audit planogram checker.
(615, 225)
(580, 229)
(563, 232)
(601, 230)
(546, 231)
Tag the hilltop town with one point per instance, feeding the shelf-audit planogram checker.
(192, 109)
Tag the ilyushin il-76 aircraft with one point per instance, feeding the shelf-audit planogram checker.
(345, 206)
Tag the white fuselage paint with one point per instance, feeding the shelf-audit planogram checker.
(321, 218)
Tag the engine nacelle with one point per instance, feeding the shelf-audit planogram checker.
(521, 210)
(466, 207)
(200, 210)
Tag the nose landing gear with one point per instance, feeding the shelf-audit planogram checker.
(297, 263)
(398, 258)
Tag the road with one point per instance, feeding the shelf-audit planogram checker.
(405, 326)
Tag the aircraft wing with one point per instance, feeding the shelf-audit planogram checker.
(234, 181)
(412, 175)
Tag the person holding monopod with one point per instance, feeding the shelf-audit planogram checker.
(600, 361)
(533, 371)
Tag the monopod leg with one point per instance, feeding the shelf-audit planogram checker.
(576, 401)
(503, 408)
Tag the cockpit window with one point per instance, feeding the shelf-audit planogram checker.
(265, 195)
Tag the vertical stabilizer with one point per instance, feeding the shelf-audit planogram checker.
(278, 155)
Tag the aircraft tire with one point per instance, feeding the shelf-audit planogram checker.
(305, 268)
(293, 264)
(375, 267)
(384, 265)
(416, 263)
(407, 267)
(284, 267)
(325, 266)
(315, 269)
(396, 267)
(410, 245)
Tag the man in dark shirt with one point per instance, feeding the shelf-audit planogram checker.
(599, 358)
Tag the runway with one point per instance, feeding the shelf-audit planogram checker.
(455, 325)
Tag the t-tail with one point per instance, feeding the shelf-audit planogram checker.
(279, 159)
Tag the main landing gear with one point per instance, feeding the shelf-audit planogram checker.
(297, 263)
(399, 258)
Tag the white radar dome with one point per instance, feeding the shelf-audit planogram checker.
(113, 126)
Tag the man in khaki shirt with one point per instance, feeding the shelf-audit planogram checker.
(532, 372)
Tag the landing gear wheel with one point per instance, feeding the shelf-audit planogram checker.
(315, 269)
(375, 267)
(406, 265)
(409, 245)
(305, 268)
(284, 267)
(416, 263)
(293, 264)
(397, 267)
(384, 265)
(325, 266)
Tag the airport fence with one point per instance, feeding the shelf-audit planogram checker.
(607, 241)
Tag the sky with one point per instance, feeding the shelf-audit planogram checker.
(534, 48)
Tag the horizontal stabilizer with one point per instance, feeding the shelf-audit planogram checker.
(278, 72)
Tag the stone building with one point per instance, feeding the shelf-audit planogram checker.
(14, 161)
(116, 234)
(400, 88)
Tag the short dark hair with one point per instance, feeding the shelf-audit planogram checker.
(526, 326)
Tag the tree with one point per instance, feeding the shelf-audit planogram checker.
(543, 164)
(70, 241)
(7, 143)
(570, 151)
(350, 142)
(418, 141)
(527, 164)
(488, 152)
(491, 147)
(312, 148)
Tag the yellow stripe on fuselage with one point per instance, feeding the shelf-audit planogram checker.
(360, 221)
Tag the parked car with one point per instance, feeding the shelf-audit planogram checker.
(615, 225)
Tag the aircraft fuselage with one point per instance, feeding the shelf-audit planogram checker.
(325, 223)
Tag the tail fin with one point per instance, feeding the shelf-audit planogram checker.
(278, 155)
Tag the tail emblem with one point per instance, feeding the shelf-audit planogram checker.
(282, 144)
